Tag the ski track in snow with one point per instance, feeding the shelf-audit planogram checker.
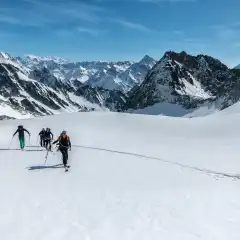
(230, 175)
(236, 176)
(110, 193)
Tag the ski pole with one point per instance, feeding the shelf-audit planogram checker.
(46, 158)
(29, 140)
(11, 143)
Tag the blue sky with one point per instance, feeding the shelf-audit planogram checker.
(120, 29)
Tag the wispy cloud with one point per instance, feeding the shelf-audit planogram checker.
(132, 25)
(21, 17)
(70, 10)
(79, 30)
(91, 31)
(40, 12)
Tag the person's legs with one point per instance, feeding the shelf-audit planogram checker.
(45, 143)
(22, 142)
(41, 142)
(64, 156)
(50, 145)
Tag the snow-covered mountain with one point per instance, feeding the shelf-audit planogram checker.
(121, 75)
(48, 59)
(132, 177)
(186, 82)
(237, 67)
(137, 72)
(177, 85)
(25, 93)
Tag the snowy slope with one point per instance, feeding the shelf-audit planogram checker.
(175, 110)
(148, 178)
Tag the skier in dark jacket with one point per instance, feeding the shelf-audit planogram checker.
(48, 138)
(42, 136)
(64, 144)
(21, 135)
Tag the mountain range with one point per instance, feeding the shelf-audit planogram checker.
(177, 85)
(121, 75)
(29, 92)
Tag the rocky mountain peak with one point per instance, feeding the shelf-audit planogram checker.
(185, 80)
(147, 60)
(5, 56)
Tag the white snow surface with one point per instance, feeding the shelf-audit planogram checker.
(83, 102)
(194, 89)
(59, 60)
(132, 177)
(164, 109)
(6, 110)
(175, 110)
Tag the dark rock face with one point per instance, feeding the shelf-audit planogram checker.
(188, 81)
(44, 76)
(114, 100)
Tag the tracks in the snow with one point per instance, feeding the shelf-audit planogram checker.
(206, 171)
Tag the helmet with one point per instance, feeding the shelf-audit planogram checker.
(64, 132)
(20, 126)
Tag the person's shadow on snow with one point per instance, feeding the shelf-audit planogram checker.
(45, 167)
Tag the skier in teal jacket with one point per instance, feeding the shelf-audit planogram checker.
(21, 136)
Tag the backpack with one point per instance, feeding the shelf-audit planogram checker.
(64, 141)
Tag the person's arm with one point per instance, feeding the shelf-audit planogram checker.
(27, 131)
(15, 132)
(40, 133)
(56, 141)
(70, 145)
(51, 135)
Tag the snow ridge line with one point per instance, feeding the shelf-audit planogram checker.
(229, 175)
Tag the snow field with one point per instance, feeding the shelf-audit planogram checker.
(111, 194)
